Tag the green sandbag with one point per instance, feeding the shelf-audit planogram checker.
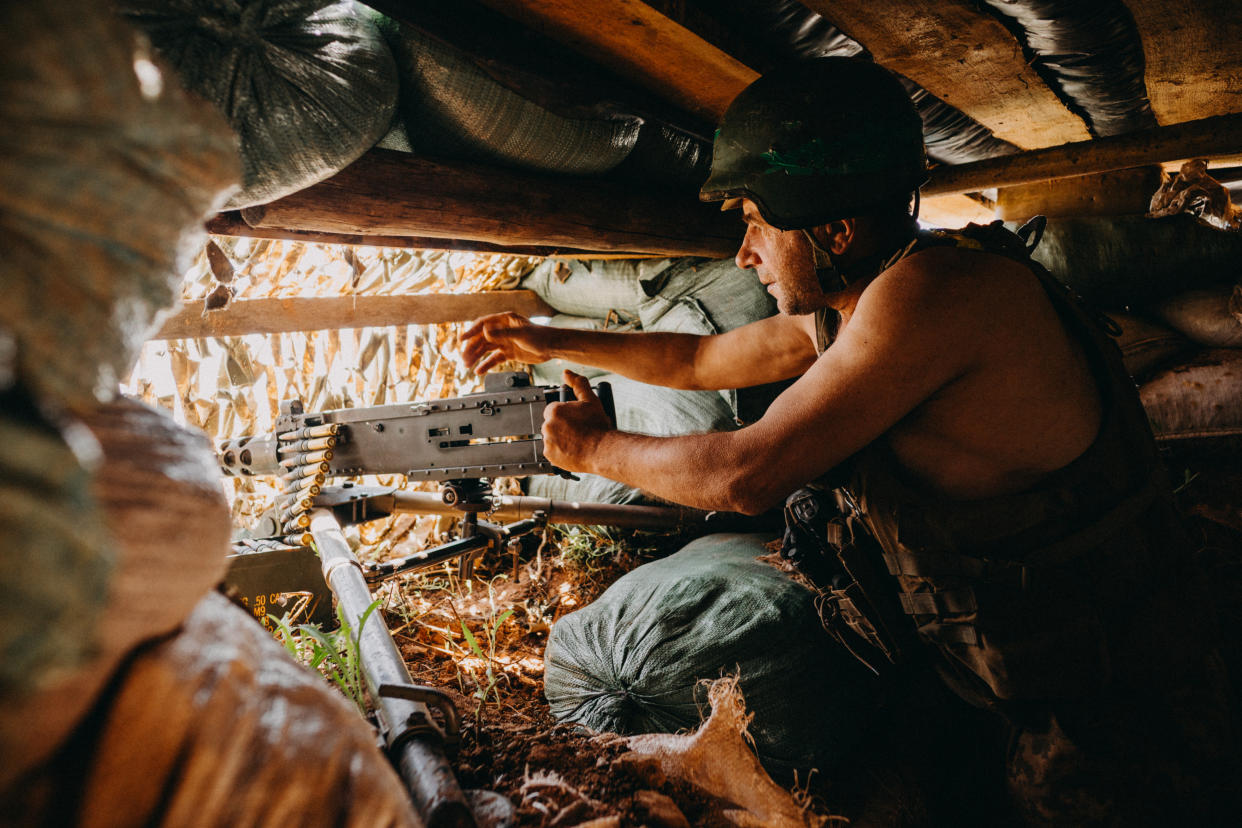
(597, 287)
(705, 296)
(308, 85)
(631, 662)
(1118, 261)
(453, 108)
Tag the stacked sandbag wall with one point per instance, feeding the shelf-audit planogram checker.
(684, 295)
(1173, 286)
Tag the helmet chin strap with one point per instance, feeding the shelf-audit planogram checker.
(830, 277)
(833, 277)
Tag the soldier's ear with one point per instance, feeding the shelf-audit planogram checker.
(836, 236)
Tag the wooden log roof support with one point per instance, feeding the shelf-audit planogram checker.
(642, 45)
(387, 193)
(266, 316)
(231, 223)
(964, 57)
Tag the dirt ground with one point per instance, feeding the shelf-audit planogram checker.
(555, 774)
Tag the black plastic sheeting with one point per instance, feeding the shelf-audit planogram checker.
(785, 29)
(1091, 52)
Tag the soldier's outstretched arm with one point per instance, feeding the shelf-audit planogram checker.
(895, 353)
(771, 349)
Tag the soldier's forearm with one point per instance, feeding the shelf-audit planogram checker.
(657, 358)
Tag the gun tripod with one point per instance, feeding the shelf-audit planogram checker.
(471, 497)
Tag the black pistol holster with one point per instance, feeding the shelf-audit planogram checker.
(827, 541)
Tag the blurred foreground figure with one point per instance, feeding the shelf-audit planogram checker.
(129, 693)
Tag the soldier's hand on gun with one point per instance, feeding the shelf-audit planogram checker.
(571, 430)
(504, 337)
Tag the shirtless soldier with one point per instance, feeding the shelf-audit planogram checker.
(1002, 509)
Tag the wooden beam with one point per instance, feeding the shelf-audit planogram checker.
(267, 316)
(955, 211)
(390, 193)
(1193, 52)
(640, 44)
(964, 57)
(231, 223)
(1207, 138)
(1115, 193)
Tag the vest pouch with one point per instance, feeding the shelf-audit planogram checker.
(1025, 642)
(834, 551)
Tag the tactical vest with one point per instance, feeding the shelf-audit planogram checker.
(1020, 595)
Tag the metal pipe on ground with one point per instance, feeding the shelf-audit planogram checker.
(411, 734)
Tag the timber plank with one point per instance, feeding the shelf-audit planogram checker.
(1193, 50)
(642, 45)
(387, 193)
(964, 57)
(1113, 193)
(266, 316)
(1216, 137)
(955, 211)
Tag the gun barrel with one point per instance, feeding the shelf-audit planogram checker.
(510, 508)
(249, 456)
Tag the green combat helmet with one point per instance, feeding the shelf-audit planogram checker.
(817, 141)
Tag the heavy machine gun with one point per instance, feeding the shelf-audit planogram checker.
(462, 443)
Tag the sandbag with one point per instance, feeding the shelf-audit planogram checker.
(452, 108)
(107, 170)
(308, 85)
(704, 296)
(217, 726)
(1119, 261)
(159, 489)
(598, 287)
(691, 295)
(1198, 404)
(646, 409)
(1147, 346)
(1211, 317)
(631, 661)
(711, 297)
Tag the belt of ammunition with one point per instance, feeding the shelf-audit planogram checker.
(309, 432)
(315, 444)
(318, 471)
(294, 523)
(306, 459)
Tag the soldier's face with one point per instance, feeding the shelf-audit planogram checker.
(783, 261)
